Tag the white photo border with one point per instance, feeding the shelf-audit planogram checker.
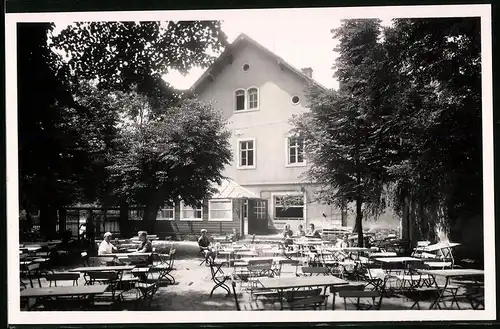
(15, 316)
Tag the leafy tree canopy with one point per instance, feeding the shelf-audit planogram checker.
(169, 156)
(119, 55)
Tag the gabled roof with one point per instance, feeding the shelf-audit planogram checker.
(229, 189)
(226, 58)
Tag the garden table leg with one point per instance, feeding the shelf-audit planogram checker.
(440, 293)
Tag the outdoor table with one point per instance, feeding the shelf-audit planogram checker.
(438, 265)
(449, 274)
(383, 254)
(397, 260)
(61, 291)
(118, 268)
(86, 269)
(282, 283)
(243, 262)
(440, 245)
(31, 249)
(356, 250)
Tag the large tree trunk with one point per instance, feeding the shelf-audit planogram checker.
(359, 221)
(48, 221)
(406, 220)
(122, 221)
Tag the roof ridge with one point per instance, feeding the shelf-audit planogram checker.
(244, 37)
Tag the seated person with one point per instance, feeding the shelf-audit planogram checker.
(287, 236)
(312, 232)
(345, 242)
(105, 247)
(204, 244)
(235, 236)
(146, 245)
(300, 231)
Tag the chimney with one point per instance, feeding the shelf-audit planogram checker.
(308, 72)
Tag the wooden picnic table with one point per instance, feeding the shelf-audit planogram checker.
(450, 274)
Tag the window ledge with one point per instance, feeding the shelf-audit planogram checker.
(292, 165)
(247, 110)
(169, 219)
(192, 219)
(220, 219)
(245, 167)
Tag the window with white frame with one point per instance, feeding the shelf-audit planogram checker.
(253, 98)
(246, 153)
(220, 210)
(260, 210)
(289, 207)
(166, 212)
(295, 151)
(191, 213)
(239, 100)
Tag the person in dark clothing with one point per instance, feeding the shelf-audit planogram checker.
(287, 236)
(204, 244)
(235, 236)
(90, 230)
(146, 245)
(313, 232)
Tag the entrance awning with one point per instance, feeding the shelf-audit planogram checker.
(229, 189)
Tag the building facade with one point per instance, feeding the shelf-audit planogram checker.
(258, 93)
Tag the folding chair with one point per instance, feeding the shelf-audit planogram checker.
(360, 297)
(291, 262)
(309, 299)
(165, 266)
(218, 279)
(249, 306)
(423, 287)
(109, 298)
(309, 271)
(347, 287)
(62, 276)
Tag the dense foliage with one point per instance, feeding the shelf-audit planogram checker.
(405, 120)
(176, 155)
(73, 93)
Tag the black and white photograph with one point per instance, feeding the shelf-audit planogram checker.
(332, 162)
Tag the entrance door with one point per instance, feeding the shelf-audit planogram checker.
(257, 216)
